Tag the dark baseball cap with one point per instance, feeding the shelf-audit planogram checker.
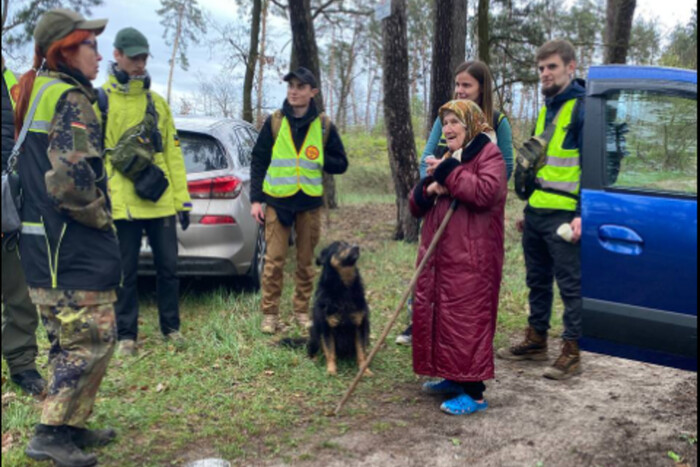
(131, 42)
(56, 24)
(304, 75)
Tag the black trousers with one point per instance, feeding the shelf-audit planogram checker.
(548, 256)
(474, 389)
(162, 237)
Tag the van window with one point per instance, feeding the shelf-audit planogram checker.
(651, 142)
(202, 153)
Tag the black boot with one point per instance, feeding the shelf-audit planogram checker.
(55, 443)
(84, 438)
(30, 381)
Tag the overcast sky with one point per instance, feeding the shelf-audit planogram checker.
(209, 60)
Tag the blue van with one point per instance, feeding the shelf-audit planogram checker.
(639, 214)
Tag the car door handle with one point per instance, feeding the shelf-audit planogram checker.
(621, 240)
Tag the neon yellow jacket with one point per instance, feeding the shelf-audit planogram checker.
(127, 107)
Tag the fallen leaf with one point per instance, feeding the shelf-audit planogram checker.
(7, 441)
(8, 398)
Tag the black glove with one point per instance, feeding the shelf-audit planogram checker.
(184, 218)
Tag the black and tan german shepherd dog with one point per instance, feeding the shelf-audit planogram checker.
(340, 321)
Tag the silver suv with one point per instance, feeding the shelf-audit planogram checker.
(223, 239)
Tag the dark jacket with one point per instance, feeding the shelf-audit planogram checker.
(456, 296)
(68, 240)
(335, 160)
(8, 124)
(574, 137)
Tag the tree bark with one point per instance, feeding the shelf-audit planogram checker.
(449, 42)
(176, 43)
(618, 21)
(397, 116)
(250, 63)
(262, 60)
(483, 31)
(305, 53)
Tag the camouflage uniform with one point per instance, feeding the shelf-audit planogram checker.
(68, 245)
(82, 333)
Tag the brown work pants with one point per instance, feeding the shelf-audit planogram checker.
(307, 225)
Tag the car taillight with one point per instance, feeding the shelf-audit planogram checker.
(219, 187)
(213, 220)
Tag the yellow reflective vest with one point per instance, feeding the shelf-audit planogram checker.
(291, 171)
(562, 171)
(10, 82)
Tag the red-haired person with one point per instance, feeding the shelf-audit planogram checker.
(68, 245)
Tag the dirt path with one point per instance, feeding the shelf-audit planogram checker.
(618, 413)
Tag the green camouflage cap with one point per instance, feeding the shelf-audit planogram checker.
(131, 42)
(56, 24)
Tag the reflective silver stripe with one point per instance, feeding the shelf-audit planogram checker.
(569, 187)
(293, 180)
(288, 163)
(311, 165)
(562, 161)
(283, 163)
(33, 230)
(280, 180)
(40, 125)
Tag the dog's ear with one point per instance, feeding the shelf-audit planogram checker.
(321, 258)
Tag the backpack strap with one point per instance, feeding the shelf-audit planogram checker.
(103, 105)
(325, 127)
(276, 123)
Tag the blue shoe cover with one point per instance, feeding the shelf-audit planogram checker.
(463, 405)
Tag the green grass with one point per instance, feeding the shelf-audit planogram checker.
(232, 393)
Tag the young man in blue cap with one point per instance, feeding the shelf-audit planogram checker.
(295, 146)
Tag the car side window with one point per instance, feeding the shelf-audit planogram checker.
(244, 145)
(201, 152)
(651, 142)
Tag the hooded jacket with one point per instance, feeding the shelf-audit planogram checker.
(127, 107)
(456, 297)
(335, 160)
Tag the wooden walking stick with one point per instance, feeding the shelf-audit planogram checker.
(382, 338)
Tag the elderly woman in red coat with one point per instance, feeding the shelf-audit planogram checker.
(456, 297)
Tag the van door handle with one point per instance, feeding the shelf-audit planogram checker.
(621, 240)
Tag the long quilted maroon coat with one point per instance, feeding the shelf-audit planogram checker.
(456, 296)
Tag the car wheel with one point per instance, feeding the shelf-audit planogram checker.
(258, 263)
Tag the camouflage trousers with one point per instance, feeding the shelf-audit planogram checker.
(82, 333)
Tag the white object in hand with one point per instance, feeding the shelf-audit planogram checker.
(565, 232)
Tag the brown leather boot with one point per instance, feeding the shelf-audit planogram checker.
(533, 347)
(568, 364)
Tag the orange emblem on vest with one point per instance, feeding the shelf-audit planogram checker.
(312, 153)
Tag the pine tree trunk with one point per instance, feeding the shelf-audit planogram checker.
(262, 58)
(619, 16)
(397, 115)
(252, 60)
(483, 31)
(449, 39)
(176, 43)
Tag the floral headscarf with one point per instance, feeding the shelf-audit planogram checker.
(471, 116)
